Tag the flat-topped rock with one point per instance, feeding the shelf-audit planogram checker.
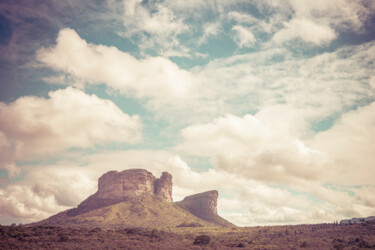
(114, 187)
(125, 184)
(204, 206)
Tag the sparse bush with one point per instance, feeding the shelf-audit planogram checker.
(338, 246)
(202, 240)
(241, 245)
(62, 238)
(95, 230)
(304, 244)
(193, 224)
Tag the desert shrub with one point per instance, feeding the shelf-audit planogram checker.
(132, 230)
(338, 246)
(95, 230)
(304, 244)
(62, 238)
(363, 244)
(193, 224)
(241, 245)
(202, 240)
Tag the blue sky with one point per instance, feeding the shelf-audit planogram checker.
(270, 102)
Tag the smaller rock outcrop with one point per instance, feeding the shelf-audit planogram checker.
(204, 206)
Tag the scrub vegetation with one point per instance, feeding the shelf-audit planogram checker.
(317, 236)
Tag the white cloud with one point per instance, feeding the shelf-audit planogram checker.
(242, 18)
(263, 147)
(305, 30)
(277, 145)
(155, 24)
(329, 174)
(31, 127)
(248, 83)
(350, 145)
(243, 37)
(341, 14)
(152, 19)
(209, 30)
(372, 82)
(44, 192)
(153, 77)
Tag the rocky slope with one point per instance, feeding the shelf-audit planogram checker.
(136, 198)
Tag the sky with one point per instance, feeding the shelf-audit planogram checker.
(272, 103)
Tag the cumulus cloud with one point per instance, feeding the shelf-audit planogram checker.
(33, 126)
(277, 145)
(349, 143)
(153, 77)
(44, 192)
(262, 147)
(330, 171)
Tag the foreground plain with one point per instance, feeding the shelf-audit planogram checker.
(317, 236)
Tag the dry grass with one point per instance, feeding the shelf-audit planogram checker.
(321, 236)
(148, 212)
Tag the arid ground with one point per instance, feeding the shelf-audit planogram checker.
(317, 236)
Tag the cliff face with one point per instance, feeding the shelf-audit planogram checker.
(126, 184)
(114, 187)
(163, 186)
(204, 206)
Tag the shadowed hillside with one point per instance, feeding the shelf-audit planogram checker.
(204, 206)
(147, 211)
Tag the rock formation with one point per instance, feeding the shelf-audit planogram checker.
(136, 198)
(114, 187)
(204, 206)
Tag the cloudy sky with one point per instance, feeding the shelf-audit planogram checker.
(272, 103)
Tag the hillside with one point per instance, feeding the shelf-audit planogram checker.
(147, 211)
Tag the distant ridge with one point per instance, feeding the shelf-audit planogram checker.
(136, 198)
(358, 220)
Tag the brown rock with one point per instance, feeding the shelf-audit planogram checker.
(114, 187)
(126, 184)
(136, 198)
(163, 186)
(204, 206)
